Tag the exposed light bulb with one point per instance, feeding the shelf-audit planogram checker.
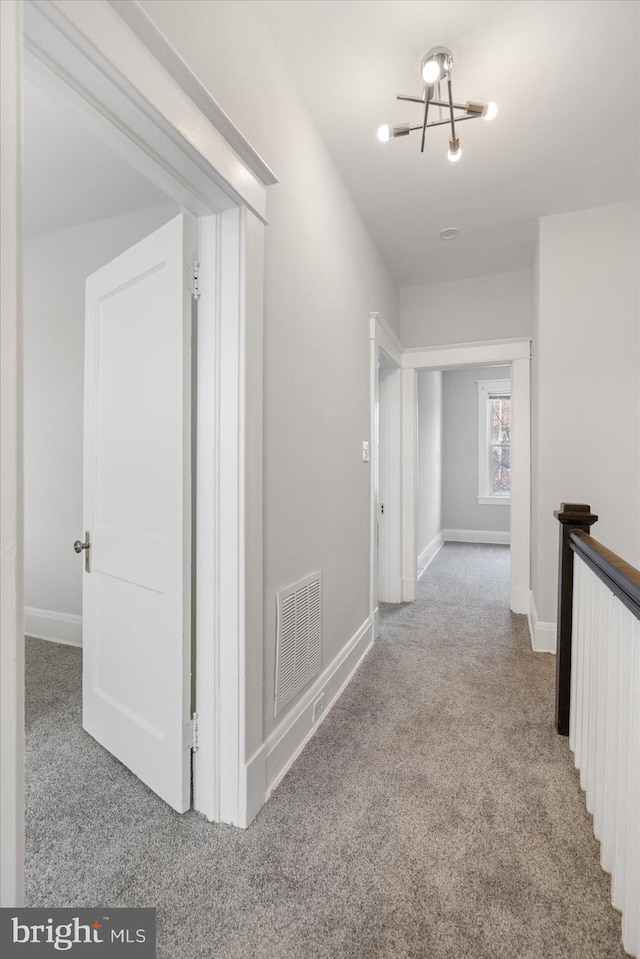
(431, 71)
(455, 152)
(383, 133)
(490, 111)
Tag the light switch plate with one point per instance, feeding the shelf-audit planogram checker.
(365, 451)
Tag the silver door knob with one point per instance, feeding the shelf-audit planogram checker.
(79, 546)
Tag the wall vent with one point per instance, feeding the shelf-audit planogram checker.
(298, 638)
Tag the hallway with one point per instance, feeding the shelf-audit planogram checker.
(435, 815)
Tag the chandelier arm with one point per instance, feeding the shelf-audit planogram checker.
(453, 121)
(434, 103)
(445, 103)
(439, 123)
(424, 122)
(444, 123)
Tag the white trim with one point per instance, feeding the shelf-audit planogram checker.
(11, 484)
(289, 738)
(409, 472)
(375, 619)
(476, 536)
(387, 466)
(205, 792)
(145, 29)
(385, 337)
(520, 512)
(373, 476)
(103, 63)
(519, 599)
(543, 635)
(65, 628)
(496, 500)
(429, 553)
(493, 352)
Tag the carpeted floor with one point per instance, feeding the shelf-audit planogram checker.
(435, 813)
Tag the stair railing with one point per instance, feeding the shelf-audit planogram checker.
(598, 699)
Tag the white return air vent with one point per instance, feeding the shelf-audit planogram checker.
(298, 638)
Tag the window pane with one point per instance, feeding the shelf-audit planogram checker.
(500, 419)
(501, 469)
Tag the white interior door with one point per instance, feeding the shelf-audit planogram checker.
(137, 509)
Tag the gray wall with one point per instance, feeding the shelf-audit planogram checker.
(323, 276)
(429, 519)
(56, 266)
(460, 508)
(495, 306)
(586, 377)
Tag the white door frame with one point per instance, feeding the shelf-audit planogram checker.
(516, 352)
(385, 345)
(138, 92)
(387, 461)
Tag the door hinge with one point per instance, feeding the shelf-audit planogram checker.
(195, 289)
(194, 733)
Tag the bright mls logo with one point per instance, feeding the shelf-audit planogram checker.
(82, 933)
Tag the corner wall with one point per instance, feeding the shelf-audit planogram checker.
(586, 352)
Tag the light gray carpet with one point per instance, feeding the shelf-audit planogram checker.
(435, 814)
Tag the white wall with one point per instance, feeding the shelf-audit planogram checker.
(429, 511)
(460, 507)
(495, 306)
(55, 268)
(586, 384)
(323, 276)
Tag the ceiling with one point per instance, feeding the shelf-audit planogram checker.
(71, 176)
(565, 76)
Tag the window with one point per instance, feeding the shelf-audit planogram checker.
(494, 442)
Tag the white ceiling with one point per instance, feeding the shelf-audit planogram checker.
(71, 176)
(564, 74)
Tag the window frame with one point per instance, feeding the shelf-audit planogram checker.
(486, 390)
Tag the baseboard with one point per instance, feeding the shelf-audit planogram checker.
(430, 552)
(476, 536)
(519, 599)
(65, 628)
(289, 738)
(543, 635)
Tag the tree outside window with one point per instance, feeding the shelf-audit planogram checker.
(494, 442)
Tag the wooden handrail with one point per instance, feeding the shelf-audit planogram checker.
(621, 578)
(571, 516)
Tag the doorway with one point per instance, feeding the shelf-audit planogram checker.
(516, 355)
(108, 341)
(95, 63)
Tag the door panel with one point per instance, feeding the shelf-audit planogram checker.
(137, 508)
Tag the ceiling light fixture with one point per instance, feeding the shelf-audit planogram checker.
(451, 233)
(436, 66)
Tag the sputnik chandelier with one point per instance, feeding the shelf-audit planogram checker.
(435, 68)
